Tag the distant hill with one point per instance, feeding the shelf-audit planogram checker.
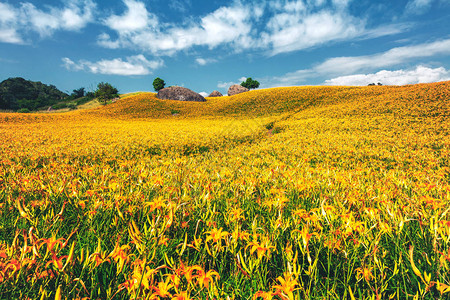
(349, 100)
(18, 93)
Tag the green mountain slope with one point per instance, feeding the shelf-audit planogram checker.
(17, 93)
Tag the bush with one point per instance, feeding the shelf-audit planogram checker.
(270, 125)
(23, 110)
(78, 93)
(158, 84)
(60, 105)
(250, 84)
(105, 92)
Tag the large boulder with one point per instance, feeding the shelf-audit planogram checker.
(179, 93)
(236, 89)
(215, 94)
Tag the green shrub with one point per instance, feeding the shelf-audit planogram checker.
(270, 125)
(60, 105)
(23, 110)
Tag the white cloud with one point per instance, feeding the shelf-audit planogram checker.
(385, 30)
(43, 22)
(7, 13)
(395, 56)
(132, 65)
(224, 85)
(9, 17)
(420, 74)
(204, 94)
(342, 66)
(10, 35)
(289, 79)
(72, 17)
(104, 40)
(16, 21)
(418, 6)
(301, 30)
(134, 19)
(139, 28)
(205, 61)
(291, 26)
(298, 25)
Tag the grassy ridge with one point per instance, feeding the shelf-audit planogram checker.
(281, 100)
(287, 193)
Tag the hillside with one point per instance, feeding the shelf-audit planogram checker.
(16, 93)
(265, 102)
(285, 193)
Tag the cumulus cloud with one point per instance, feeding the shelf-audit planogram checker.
(137, 27)
(205, 61)
(343, 66)
(132, 65)
(71, 17)
(297, 26)
(290, 26)
(9, 17)
(135, 18)
(204, 94)
(16, 21)
(420, 74)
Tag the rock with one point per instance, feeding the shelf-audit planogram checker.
(236, 89)
(215, 94)
(179, 93)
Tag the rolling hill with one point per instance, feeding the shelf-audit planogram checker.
(284, 193)
(368, 99)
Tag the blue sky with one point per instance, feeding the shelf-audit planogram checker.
(210, 44)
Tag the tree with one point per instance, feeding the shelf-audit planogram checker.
(78, 93)
(158, 84)
(16, 93)
(250, 83)
(105, 92)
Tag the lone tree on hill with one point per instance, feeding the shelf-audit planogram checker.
(158, 84)
(250, 83)
(105, 92)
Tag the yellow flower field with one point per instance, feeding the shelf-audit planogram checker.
(285, 193)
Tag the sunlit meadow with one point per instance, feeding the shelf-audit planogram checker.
(286, 193)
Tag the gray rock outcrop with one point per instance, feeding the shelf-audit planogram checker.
(236, 89)
(179, 93)
(215, 94)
